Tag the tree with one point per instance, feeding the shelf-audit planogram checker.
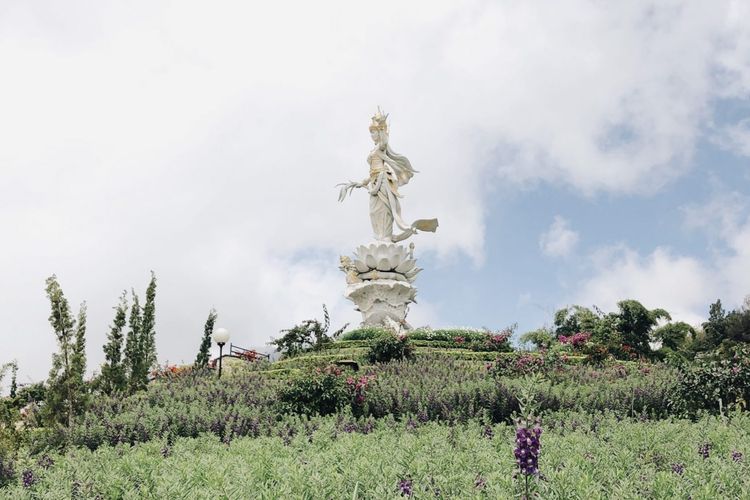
(113, 372)
(310, 333)
(204, 352)
(64, 395)
(148, 332)
(541, 338)
(13, 383)
(140, 344)
(674, 336)
(133, 359)
(78, 360)
(635, 323)
(575, 319)
(716, 326)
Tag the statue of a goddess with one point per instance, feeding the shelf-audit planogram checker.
(388, 172)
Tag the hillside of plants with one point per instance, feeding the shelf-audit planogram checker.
(622, 404)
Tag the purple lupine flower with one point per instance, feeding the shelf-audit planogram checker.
(480, 482)
(405, 487)
(704, 450)
(737, 456)
(28, 478)
(165, 451)
(488, 432)
(528, 446)
(678, 469)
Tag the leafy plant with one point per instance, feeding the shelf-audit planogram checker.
(712, 381)
(204, 351)
(321, 392)
(390, 347)
(310, 334)
(66, 393)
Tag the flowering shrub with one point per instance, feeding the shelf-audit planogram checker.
(576, 341)
(358, 386)
(171, 371)
(249, 355)
(390, 347)
(525, 363)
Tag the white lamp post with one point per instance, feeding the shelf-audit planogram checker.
(220, 336)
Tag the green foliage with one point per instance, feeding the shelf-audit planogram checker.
(635, 323)
(390, 347)
(147, 340)
(311, 361)
(541, 338)
(320, 392)
(310, 334)
(113, 378)
(364, 333)
(204, 352)
(716, 326)
(582, 456)
(66, 391)
(714, 381)
(621, 334)
(133, 352)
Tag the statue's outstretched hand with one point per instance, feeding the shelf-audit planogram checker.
(347, 188)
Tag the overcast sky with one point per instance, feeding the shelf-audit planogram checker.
(574, 152)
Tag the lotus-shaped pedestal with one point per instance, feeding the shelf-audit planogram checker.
(380, 278)
(385, 261)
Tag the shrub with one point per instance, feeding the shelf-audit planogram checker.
(364, 333)
(525, 363)
(321, 392)
(389, 347)
(711, 382)
(310, 334)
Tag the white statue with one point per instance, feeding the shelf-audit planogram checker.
(388, 172)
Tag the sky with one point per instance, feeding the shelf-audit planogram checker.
(575, 152)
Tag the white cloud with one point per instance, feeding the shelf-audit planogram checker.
(204, 143)
(559, 240)
(681, 285)
(735, 137)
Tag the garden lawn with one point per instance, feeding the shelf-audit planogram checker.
(583, 456)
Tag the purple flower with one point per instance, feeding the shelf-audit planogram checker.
(28, 478)
(488, 432)
(737, 456)
(678, 469)
(480, 482)
(405, 487)
(165, 452)
(704, 450)
(528, 445)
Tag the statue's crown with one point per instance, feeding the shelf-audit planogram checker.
(379, 121)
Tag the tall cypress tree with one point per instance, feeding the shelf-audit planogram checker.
(148, 333)
(133, 357)
(13, 384)
(113, 371)
(203, 353)
(78, 361)
(61, 394)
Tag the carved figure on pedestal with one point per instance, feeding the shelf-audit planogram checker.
(380, 277)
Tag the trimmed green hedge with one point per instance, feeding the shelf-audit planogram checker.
(319, 360)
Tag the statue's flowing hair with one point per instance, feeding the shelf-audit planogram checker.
(399, 163)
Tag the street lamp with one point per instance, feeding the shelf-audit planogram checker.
(220, 336)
